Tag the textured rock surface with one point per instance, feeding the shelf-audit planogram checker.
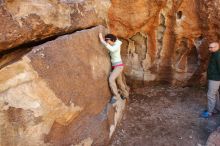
(214, 138)
(165, 40)
(58, 94)
(23, 21)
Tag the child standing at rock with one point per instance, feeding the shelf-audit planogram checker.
(114, 47)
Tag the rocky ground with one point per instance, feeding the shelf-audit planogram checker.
(165, 116)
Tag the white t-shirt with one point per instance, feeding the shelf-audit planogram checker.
(115, 51)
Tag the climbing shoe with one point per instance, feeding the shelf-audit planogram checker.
(215, 112)
(123, 97)
(112, 100)
(205, 114)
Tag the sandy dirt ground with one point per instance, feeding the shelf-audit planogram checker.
(162, 115)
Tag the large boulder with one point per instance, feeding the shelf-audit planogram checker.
(58, 94)
(25, 21)
(214, 138)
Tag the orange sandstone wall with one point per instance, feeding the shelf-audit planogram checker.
(165, 40)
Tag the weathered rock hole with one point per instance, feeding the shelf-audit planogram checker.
(140, 46)
(179, 14)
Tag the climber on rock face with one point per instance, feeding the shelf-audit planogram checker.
(114, 47)
(213, 76)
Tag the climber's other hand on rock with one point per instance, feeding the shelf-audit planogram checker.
(101, 37)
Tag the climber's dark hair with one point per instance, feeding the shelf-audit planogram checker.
(110, 37)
